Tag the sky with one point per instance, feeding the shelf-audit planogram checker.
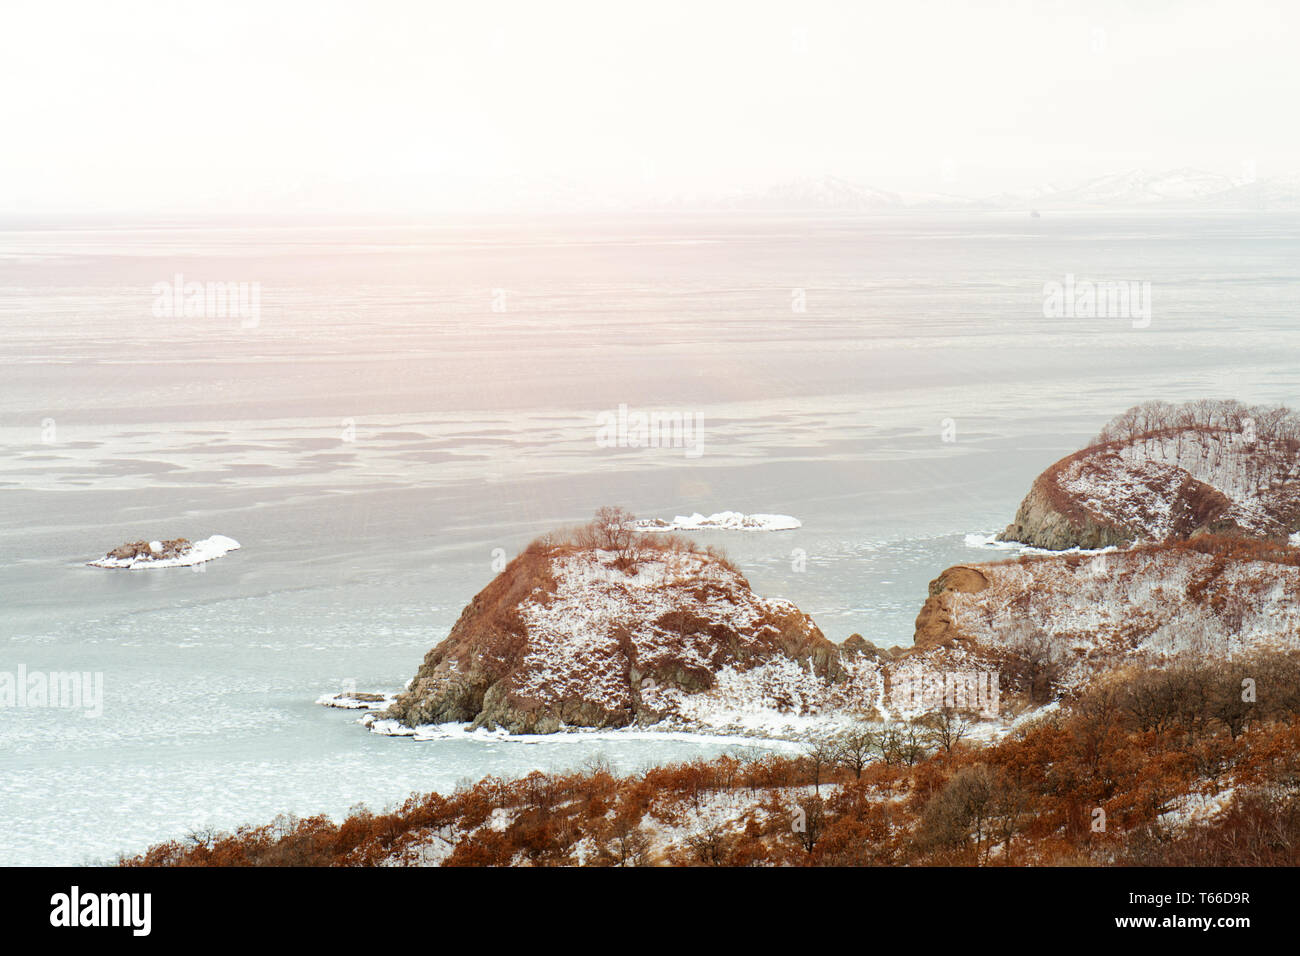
(410, 106)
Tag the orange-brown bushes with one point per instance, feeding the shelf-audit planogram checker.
(1100, 781)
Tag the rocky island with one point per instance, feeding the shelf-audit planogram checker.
(620, 624)
(609, 627)
(173, 553)
(1160, 472)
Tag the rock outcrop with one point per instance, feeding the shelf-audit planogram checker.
(173, 553)
(1168, 484)
(1086, 614)
(570, 636)
(934, 625)
(154, 550)
(1098, 499)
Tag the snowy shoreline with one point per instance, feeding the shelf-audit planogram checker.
(785, 735)
(991, 542)
(385, 727)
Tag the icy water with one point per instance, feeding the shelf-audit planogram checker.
(411, 399)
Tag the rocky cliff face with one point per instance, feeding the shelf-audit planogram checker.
(1171, 485)
(1100, 500)
(935, 626)
(571, 636)
(1085, 614)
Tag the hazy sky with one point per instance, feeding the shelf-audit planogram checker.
(398, 106)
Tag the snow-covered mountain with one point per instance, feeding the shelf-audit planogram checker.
(1154, 188)
(1278, 192)
(1020, 198)
(1185, 186)
(1142, 187)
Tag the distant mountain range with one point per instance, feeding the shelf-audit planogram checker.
(1184, 187)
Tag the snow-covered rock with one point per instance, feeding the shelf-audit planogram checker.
(354, 700)
(721, 521)
(1169, 483)
(177, 553)
(1147, 605)
(568, 636)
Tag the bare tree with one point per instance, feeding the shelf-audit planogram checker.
(820, 754)
(810, 821)
(627, 844)
(960, 812)
(710, 846)
(901, 743)
(855, 747)
(612, 529)
(1229, 702)
(1036, 660)
(944, 728)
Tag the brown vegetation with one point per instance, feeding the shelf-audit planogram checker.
(140, 549)
(1093, 784)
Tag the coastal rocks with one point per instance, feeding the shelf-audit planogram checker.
(150, 549)
(356, 700)
(1113, 497)
(859, 645)
(1100, 499)
(721, 521)
(1087, 614)
(935, 626)
(1161, 472)
(570, 636)
(173, 553)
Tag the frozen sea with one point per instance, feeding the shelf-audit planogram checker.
(412, 398)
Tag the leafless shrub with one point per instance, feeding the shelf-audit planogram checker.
(902, 743)
(943, 729)
(1034, 661)
(854, 748)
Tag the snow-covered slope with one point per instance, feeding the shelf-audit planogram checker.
(572, 636)
(823, 193)
(1275, 192)
(1141, 187)
(1171, 481)
(1098, 612)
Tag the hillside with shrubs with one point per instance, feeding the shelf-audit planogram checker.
(1081, 615)
(1193, 765)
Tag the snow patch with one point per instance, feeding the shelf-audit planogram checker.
(992, 542)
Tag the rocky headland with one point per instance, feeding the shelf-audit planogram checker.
(574, 634)
(1164, 472)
